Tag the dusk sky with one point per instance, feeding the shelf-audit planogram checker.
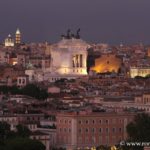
(106, 21)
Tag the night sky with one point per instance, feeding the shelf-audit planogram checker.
(101, 21)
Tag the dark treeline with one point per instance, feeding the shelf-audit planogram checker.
(30, 90)
(19, 139)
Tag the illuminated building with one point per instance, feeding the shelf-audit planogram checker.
(139, 71)
(69, 56)
(107, 63)
(18, 37)
(9, 41)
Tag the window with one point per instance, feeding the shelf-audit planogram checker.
(100, 121)
(80, 130)
(80, 121)
(86, 140)
(100, 140)
(93, 139)
(86, 121)
(113, 130)
(86, 130)
(107, 140)
(20, 81)
(93, 121)
(69, 130)
(107, 130)
(23, 81)
(120, 130)
(93, 130)
(106, 121)
(100, 130)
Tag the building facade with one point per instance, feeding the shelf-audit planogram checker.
(82, 129)
(107, 63)
(69, 57)
(139, 71)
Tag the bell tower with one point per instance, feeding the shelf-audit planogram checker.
(18, 37)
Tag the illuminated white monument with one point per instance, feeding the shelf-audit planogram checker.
(69, 56)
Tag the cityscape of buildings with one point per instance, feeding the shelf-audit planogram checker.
(91, 91)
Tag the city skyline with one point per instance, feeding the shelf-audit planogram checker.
(101, 21)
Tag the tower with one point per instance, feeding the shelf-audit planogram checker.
(18, 37)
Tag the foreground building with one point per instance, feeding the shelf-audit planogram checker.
(88, 129)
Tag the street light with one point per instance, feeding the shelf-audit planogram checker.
(113, 148)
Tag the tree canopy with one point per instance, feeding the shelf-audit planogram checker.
(139, 129)
(30, 90)
(23, 131)
(20, 143)
(18, 140)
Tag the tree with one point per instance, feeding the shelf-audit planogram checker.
(20, 140)
(4, 131)
(22, 144)
(34, 91)
(139, 129)
(23, 131)
(147, 76)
